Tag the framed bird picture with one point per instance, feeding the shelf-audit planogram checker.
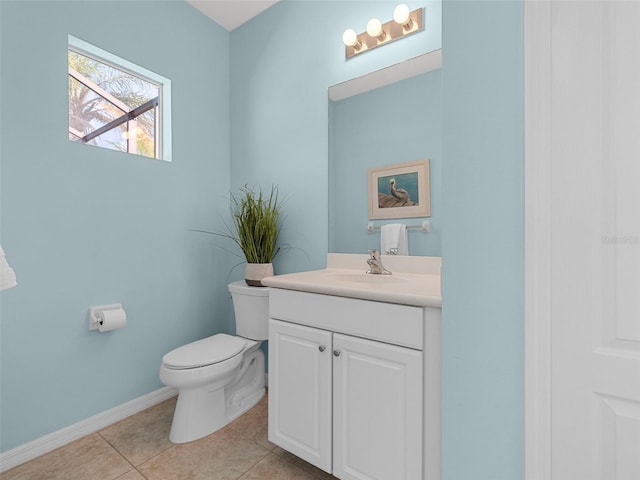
(400, 191)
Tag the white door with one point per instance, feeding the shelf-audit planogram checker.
(583, 269)
(377, 418)
(300, 391)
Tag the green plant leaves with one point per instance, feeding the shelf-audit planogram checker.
(255, 219)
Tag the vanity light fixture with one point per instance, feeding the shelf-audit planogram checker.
(405, 22)
(375, 30)
(350, 39)
(402, 16)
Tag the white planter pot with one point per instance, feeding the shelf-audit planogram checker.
(255, 272)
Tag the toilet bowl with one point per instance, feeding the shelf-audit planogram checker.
(219, 377)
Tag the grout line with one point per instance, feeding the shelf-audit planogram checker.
(119, 453)
(142, 474)
(292, 461)
(252, 466)
(144, 461)
(156, 456)
(54, 440)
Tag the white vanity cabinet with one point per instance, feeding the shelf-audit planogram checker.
(348, 385)
(377, 410)
(300, 393)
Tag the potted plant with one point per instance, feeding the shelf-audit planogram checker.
(255, 230)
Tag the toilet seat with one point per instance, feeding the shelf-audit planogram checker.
(201, 353)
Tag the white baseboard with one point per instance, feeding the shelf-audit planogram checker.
(39, 446)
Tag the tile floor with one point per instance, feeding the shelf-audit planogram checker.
(138, 448)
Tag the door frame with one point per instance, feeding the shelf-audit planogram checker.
(537, 172)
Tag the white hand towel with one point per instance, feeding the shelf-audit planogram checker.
(7, 275)
(393, 239)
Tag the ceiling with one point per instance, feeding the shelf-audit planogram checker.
(230, 14)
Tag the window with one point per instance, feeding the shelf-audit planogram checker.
(117, 105)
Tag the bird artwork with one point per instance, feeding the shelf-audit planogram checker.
(399, 193)
(397, 197)
(402, 190)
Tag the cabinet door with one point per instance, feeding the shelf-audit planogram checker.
(377, 422)
(300, 391)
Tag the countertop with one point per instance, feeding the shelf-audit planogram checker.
(414, 281)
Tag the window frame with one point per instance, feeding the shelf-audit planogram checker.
(163, 126)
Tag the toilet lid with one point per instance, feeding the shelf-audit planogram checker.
(207, 351)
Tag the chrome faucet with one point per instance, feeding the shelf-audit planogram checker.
(375, 264)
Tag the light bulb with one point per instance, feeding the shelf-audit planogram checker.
(401, 15)
(374, 29)
(350, 39)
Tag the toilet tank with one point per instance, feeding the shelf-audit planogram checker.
(251, 307)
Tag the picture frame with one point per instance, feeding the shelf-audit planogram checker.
(399, 191)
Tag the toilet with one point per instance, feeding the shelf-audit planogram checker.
(220, 377)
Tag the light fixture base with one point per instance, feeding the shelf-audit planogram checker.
(393, 30)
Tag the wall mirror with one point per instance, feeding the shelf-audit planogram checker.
(387, 117)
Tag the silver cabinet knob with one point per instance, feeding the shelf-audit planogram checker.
(322, 348)
(336, 353)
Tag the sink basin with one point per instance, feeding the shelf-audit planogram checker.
(415, 280)
(364, 279)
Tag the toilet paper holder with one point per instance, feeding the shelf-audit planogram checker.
(96, 314)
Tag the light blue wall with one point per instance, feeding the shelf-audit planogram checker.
(282, 64)
(401, 122)
(280, 72)
(483, 240)
(57, 230)
(85, 226)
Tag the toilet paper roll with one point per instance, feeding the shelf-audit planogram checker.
(112, 319)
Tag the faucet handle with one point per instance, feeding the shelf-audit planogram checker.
(376, 264)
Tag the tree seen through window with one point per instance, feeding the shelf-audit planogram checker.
(111, 108)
